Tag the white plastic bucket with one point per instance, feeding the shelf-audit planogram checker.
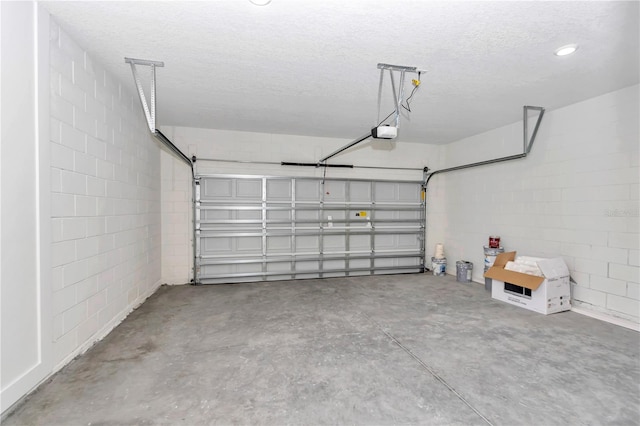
(490, 255)
(439, 266)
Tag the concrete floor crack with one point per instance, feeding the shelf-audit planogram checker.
(428, 369)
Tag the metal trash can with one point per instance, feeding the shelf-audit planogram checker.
(464, 270)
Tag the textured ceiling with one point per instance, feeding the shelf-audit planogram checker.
(308, 67)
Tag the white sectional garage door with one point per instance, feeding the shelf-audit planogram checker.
(259, 228)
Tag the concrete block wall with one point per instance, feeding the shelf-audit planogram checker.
(575, 196)
(177, 220)
(105, 199)
(233, 145)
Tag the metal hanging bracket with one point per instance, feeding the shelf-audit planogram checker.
(149, 108)
(398, 95)
(528, 142)
(526, 148)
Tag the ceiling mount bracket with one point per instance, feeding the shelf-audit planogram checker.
(398, 95)
(148, 108)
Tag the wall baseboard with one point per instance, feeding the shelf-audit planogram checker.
(600, 316)
(607, 318)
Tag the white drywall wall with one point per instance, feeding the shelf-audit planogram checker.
(575, 196)
(105, 200)
(245, 146)
(25, 249)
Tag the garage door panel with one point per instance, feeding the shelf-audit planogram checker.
(382, 263)
(385, 191)
(279, 189)
(216, 214)
(333, 274)
(408, 262)
(219, 269)
(385, 242)
(334, 242)
(264, 228)
(280, 215)
(335, 214)
(408, 241)
(335, 191)
(283, 267)
(313, 215)
(387, 214)
(278, 277)
(247, 214)
(329, 265)
(360, 243)
(249, 244)
(230, 228)
(232, 269)
(247, 268)
(360, 191)
(408, 215)
(308, 190)
(250, 189)
(307, 244)
(360, 264)
(307, 266)
(278, 244)
(216, 245)
(220, 188)
(408, 192)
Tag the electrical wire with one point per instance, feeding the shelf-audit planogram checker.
(408, 102)
(324, 175)
(386, 118)
(408, 107)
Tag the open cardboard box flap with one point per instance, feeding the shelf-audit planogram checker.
(552, 268)
(497, 272)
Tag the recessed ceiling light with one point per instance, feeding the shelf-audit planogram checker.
(566, 50)
(260, 2)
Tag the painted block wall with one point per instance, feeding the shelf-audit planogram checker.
(105, 199)
(177, 220)
(247, 146)
(575, 196)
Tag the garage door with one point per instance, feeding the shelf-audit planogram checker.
(259, 228)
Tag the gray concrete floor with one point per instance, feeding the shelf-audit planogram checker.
(410, 349)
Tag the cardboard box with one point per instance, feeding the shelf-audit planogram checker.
(546, 295)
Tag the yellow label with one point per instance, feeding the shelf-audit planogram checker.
(363, 214)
